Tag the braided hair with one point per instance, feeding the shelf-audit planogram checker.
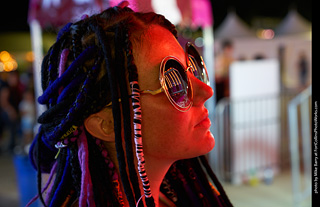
(89, 66)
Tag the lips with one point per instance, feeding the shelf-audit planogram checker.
(204, 122)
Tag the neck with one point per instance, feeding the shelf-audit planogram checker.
(156, 169)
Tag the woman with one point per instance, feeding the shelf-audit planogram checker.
(118, 84)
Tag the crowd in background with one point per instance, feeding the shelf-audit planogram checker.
(17, 112)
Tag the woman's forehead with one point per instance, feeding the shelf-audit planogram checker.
(156, 43)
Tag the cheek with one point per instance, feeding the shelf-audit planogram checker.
(168, 133)
(164, 131)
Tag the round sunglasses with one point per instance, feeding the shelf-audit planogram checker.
(174, 78)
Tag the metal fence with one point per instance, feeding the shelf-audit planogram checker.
(252, 138)
(299, 116)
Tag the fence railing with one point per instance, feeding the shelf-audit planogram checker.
(251, 137)
(299, 116)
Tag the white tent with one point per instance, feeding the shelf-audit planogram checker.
(293, 24)
(233, 27)
(293, 33)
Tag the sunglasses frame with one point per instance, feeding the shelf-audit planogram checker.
(202, 63)
(163, 84)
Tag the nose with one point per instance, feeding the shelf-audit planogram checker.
(201, 91)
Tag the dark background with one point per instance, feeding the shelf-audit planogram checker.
(14, 13)
(249, 10)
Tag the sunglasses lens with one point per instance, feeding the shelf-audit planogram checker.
(177, 83)
(199, 68)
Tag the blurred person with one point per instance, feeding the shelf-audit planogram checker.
(259, 56)
(10, 98)
(223, 62)
(28, 118)
(119, 83)
(2, 121)
(303, 69)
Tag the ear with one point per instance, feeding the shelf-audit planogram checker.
(100, 125)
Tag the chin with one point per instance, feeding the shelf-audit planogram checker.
(203, 147)
(209, 143)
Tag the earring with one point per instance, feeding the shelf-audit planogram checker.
(104, 129)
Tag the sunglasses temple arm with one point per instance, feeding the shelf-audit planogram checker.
(152, 92)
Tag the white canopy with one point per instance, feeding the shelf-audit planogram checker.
(293, 24)
(233, 26)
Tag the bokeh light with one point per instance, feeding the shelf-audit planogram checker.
(29, 56)
(7, 62)
(266, 34)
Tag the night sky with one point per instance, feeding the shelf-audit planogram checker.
(247, 10)
(14, 12)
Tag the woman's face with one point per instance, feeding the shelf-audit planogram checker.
(168, 133)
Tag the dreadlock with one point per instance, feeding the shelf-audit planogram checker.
(89, 66)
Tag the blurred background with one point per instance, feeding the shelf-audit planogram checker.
(259, 59)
